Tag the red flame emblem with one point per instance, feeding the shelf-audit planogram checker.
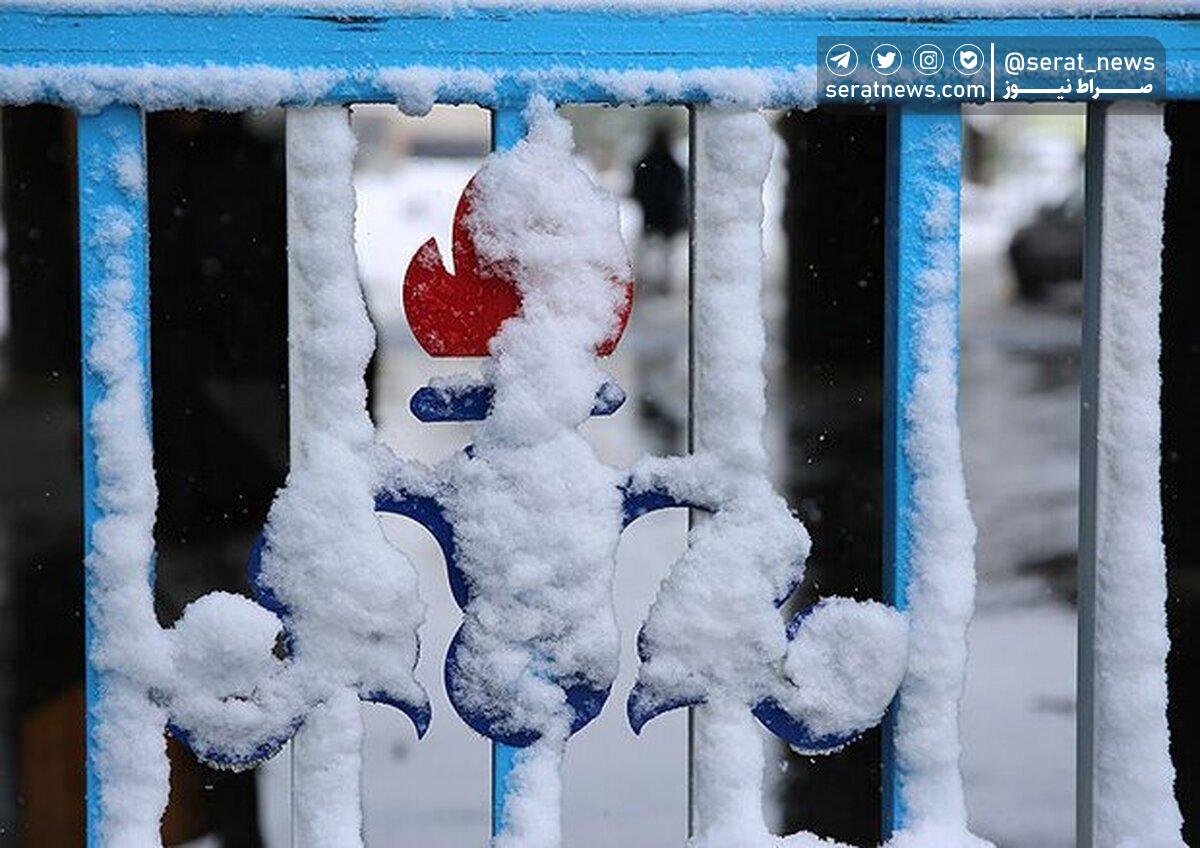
(458, 314)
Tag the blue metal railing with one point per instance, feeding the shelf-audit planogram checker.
(112, 65)
(918, 143)
(569, 56)
(102, 138)
(508, 128)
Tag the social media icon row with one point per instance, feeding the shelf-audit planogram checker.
(886, 59)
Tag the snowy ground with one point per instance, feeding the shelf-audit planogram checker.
(1019, 408)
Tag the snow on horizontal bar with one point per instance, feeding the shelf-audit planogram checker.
(414, 88)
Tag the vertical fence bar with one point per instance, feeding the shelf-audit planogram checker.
(691, 426)
(508, 128)
(724, 298)
(1122, 685)
(326, 766)
(924, 148)
(897, 380)
(1089, 391)
(106, 140)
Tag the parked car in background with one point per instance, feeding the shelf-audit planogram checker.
(1049, 248)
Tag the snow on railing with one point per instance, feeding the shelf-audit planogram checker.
(536, 655)
(1123, 576)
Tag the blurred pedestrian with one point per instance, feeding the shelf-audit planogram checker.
(659, 189)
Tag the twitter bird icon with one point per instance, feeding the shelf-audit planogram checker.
(885, 59)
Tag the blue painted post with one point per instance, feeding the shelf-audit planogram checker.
(102, 138)
(508, 128)
(919, 165)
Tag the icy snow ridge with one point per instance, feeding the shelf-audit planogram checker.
(413, 88)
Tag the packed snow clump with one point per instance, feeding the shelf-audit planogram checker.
(223, 647)
(350, 626)
(844, 665)
(536, 515)
(714, 626)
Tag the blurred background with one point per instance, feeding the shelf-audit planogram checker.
(218, 268)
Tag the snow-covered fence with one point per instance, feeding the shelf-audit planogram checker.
(213, 678)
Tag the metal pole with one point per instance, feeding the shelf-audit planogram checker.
(508, 128)
(1089, 396)
(103, 137)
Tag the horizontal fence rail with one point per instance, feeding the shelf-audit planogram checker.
(487, 57)
(112, 66)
